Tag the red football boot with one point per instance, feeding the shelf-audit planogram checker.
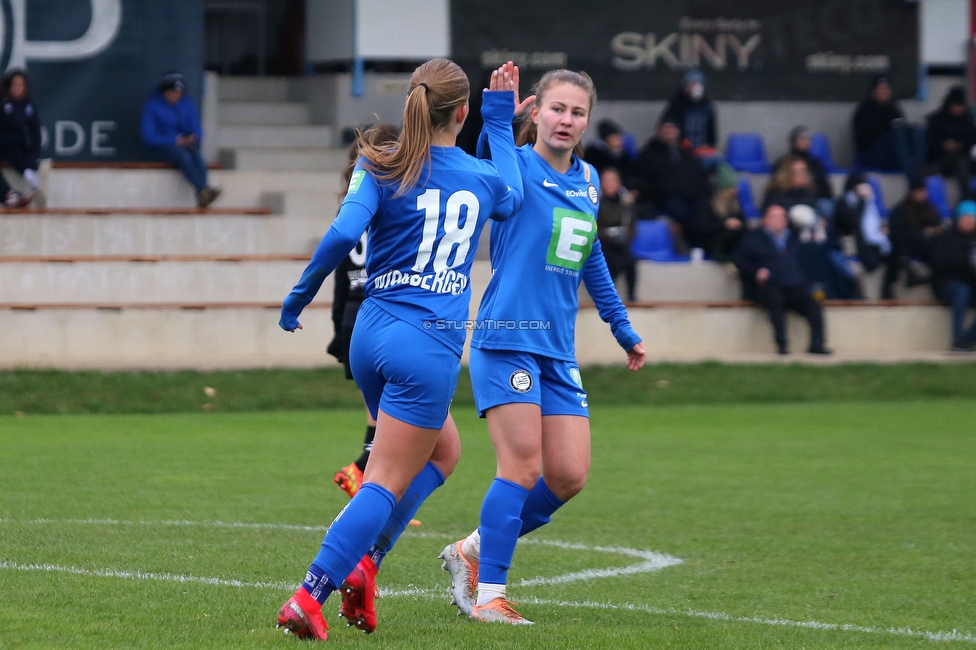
(358, 592)
(349, 478)
(301, 615)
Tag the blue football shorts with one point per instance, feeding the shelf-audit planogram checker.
(408, 374)
(509, 376)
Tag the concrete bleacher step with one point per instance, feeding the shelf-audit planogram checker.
(285, 159)
(264, 113)
(253, 89)
(275, 136)
(115, 187)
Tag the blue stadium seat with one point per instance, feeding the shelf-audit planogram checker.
(747, 153)
(937, 195)
(878, 196)
(820, 149)
(653, 242)
(746, 201)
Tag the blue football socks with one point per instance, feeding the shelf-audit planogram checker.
(429, 479)
(500, 526)
(538, 507)
(349, 537)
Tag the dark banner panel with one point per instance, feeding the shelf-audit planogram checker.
(809, 50)
(92, 64)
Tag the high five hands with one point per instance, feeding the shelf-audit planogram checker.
(506, 77)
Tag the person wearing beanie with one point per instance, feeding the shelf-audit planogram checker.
(800, 148)
(951, 137)
(671, 180)
(912, 224)
(609, 151)
(695, 115)
(171, 129)
(20, 137)
(882, 139)
(718, 223)
(954, 273)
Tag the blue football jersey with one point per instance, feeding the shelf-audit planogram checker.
(422, 243)
(538, 260)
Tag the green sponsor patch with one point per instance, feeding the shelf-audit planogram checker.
(356, 180)
(572, 238)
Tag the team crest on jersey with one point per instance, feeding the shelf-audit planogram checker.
(520, 381)
(356, 180)
(592, 193)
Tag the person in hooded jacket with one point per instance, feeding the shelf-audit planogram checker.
(951, 136)
(20, 137)
(882, 138)
(954, 273)
(695, 115)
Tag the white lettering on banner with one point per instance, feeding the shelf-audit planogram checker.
(106, 18)
(70, 138)
(634, 51)
(99, 139)
(61, 146)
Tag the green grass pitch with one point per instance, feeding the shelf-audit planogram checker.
(817, 525)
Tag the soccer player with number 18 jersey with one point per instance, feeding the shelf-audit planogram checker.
(424, 202)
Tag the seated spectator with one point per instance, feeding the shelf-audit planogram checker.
(670, 177)
(769, 267)
(882, 138)
(610, 151)
(171, 128)
(792, 184)
(20, 137)
(718, 224)
(911, 225)
(954, 272)
(800, 148)
(695, 116)
(615, 228)
(951, 136)
(857, 214)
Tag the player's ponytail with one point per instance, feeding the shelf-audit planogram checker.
(528, 132)
(436, 89)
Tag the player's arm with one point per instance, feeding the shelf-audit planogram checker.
(596, 277)
(358, 208)
(497, 110)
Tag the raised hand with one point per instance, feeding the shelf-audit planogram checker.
(506, 77)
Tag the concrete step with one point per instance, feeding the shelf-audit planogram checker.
(271, 137)
(285, 159)
(249, 336)
(147, 282)
(264, 113)
(253, 89)
(104, 187)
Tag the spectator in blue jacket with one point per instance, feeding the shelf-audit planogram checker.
(171, 128)
(768, 260)
(20, 137)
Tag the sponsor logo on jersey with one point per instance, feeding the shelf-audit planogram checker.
(520, 381)
(356, 180)
(447, 281)
(572, 239)
(546, 183)
(592, 194)
(575, 374)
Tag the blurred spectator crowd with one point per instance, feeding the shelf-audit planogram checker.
(677, 198)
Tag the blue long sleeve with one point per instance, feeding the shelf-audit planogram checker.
(498, 109)
(348, 227)
(150, 133)
(598, 283)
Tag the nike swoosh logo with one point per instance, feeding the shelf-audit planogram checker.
(546, 183)
(584, 403)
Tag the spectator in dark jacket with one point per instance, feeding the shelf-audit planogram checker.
(609, 151)
(800, 148)
(857, 214)
(769, 266)
(951, 136)
(616, 228)
(911, 226)
(171, 128)
(20, 137)
(695, 115)
(882, 139)
(954, 272)
(718, 223)
(670, 177)
(792, 184)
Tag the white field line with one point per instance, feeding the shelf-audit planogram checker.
(416, 592)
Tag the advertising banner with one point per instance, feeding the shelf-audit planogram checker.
(93, 63)
(804, 50)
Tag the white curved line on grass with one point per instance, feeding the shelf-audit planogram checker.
(417, 592)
